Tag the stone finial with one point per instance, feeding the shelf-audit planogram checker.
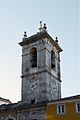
(40, 29)
(45, 26)
(56, 39)
(40, 24)
(25, 35)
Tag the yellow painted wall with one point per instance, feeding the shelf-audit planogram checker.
(69, 115)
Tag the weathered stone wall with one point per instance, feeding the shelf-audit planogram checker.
(42, 77)
(30, 113)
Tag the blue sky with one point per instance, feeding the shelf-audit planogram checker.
(62, 19)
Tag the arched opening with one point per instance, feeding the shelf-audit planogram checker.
(10, 119)
(52, 59)
(33, 57)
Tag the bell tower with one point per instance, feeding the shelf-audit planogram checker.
(40, 67)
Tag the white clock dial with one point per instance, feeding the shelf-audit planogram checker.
(53, 89)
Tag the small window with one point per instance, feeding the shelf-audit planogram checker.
(78, 107)
(33, 119)
(58, 70)
(33, 101)
(52, 59)
(60, 109)
(33, 57)
(10, 119)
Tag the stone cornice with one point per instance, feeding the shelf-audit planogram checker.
(39, 36)
(21, 105)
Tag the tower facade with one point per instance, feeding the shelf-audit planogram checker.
(40, 67)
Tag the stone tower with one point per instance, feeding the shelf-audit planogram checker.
(40, 67)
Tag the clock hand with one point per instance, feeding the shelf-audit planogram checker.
(33, 85)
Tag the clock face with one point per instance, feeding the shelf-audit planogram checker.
(53, 89)
(34, 86)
